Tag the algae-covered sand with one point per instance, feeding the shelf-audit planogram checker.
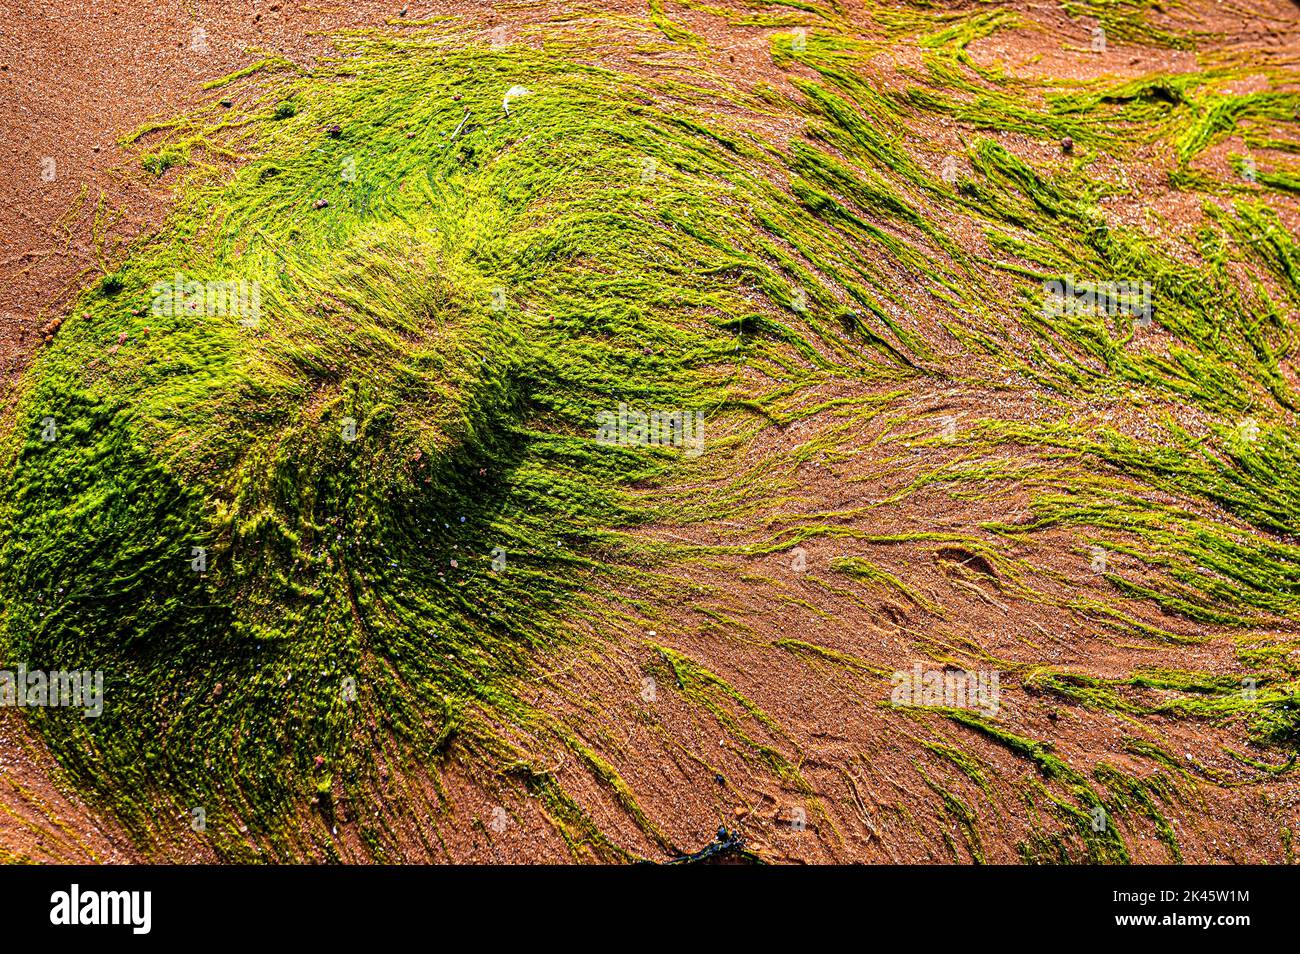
(563, 441)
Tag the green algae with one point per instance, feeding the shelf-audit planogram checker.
(395, 477)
